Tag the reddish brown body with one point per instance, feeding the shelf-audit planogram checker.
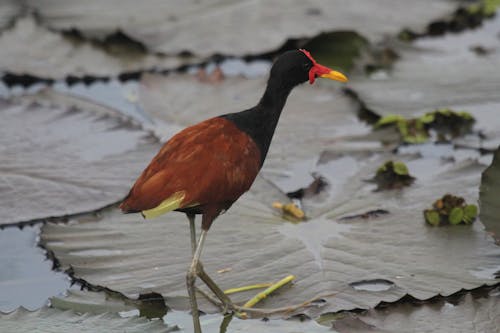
(213, 162)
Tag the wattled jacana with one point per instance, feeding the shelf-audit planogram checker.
(205, 168)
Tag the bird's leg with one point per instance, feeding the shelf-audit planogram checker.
(192, 228)
(191, 278)
(228, 305)
(226, 302)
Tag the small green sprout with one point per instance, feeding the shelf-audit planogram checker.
(451, 210)
(393, 175)
(447, 124)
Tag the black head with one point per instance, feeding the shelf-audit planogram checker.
(292, 67)
(298, 66)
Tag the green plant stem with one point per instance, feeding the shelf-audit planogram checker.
(246, 288)
(260, 296)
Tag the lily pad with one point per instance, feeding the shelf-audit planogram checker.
(171, 28)
(470, 314)
(55, 321)
(326, 254)
(28, 48)
(72, 160)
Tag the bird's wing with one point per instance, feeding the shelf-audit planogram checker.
(211, 162)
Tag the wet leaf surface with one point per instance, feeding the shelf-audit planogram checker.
(325, 254)
(255, 27)
(63, 161)
(48, 320)
(470, 314)
(53, 56)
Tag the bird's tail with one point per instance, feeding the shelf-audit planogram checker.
(171, 203)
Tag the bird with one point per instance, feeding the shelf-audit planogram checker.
(205, 168)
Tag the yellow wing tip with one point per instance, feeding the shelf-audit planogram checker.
(171, 203)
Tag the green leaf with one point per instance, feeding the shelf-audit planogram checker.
(389, 119)
(432, 217)
(465, 115)
(456, 215)
(415, 139)
(470, 213)
(400, 168)
(383, 167)
(403, 127)
(427, 118)
(490, 7)
(444, 112)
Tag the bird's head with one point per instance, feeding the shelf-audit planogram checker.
(298, 66)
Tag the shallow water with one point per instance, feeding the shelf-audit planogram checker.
(26, 275)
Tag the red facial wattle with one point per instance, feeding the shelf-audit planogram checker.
(318, 70)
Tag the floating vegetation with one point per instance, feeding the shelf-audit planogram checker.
(450, 209)
(446, 123)
(465, 17)
(393, 175)
(486, 8)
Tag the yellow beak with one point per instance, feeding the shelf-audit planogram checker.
(336, 76)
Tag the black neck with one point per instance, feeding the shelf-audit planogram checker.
(274, 97)
(260, 121)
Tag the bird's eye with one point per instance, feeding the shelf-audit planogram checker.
(306, 66)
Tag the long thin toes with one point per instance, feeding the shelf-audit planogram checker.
(228, 307)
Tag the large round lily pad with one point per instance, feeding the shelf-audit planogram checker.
(63, 161)
(328, 254)
(242, 27)
(469, 314)
(28, 48)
